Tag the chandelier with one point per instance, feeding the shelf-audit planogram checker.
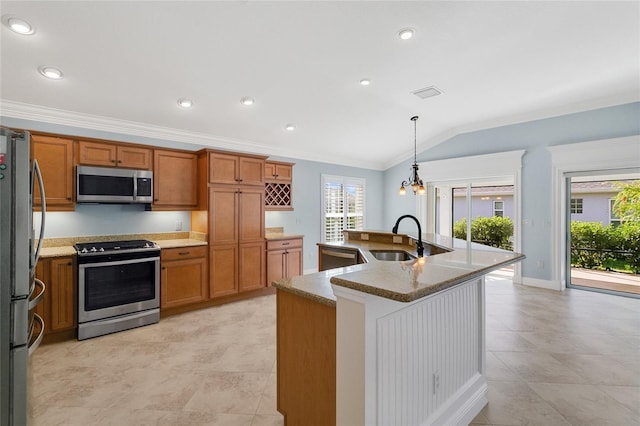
(414, 180)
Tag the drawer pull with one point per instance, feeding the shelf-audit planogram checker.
(182, 253)
(285, 244)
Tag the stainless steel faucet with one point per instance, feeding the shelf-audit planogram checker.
(419, 245)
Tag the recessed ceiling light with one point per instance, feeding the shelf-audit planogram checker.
(51, 72)
(290, 127)
(365, 82)
(185, 103)
(247, 101)
(18, 25)
(406, 33)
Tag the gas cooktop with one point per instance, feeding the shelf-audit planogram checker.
(115, 246)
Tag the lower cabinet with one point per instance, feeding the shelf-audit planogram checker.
(59, 305)
(183, 278)
(236, 268)
(284, 259)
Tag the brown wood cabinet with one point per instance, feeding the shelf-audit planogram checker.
(59, 305)
(236, 238)
(55, 158)
(183, 277)
(106, 154)
(276, 171)
(227, 168)
(284, 259)
(306, 358)
(175, 180)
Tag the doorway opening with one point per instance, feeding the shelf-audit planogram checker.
(603, 248)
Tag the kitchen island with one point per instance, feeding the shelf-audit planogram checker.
(387, 342)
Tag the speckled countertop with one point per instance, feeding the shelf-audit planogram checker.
(272, 234)
(403, 281)
(57, 247)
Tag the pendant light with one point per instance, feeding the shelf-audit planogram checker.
(414, 180)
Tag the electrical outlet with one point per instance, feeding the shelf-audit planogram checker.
(364, 237)
(397, 239)
(178, 225)
(540, 264)
(436, 382)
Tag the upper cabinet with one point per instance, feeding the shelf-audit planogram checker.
(235, 169)
(175, 180)
(113, 155)
(55, 158)
(276, 171)
(278, 190)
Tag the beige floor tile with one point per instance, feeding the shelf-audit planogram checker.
(268, 420)
(585, 404)
(225, 392)
(514, 403)
(66, 416)
(629, 396)
(507, 341)
(538, 367)
(268, 402)
(604, 369)
(498, 370)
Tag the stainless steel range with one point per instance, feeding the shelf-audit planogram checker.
(118, 286)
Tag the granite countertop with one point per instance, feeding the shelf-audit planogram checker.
(403, 281)
(58, 247)
(277, 233)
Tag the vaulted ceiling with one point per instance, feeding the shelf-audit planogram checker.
(126, 64)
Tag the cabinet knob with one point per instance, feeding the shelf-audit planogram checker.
(68, 198)
(113, 161)
(119, 161)
(155, 199)
(164, 268)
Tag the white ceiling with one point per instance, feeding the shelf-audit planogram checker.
(127, 63)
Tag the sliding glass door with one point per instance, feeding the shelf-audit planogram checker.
(603, 223)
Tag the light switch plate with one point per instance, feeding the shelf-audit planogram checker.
(397, 240)
(364, 237)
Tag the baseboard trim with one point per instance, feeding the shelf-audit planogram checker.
(536, 282)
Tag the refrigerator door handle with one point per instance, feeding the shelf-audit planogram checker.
(43, 202)
(34, 302)
(34, 345)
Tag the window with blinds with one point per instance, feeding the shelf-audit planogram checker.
(343, 206)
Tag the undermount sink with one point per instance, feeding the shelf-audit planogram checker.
(392, 255)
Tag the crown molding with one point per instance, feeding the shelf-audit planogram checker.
(84, 121)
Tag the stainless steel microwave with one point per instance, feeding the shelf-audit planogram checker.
(110, 185)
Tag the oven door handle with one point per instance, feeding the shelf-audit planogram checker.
(119, 262)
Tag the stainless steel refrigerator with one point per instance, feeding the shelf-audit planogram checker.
(21, 329)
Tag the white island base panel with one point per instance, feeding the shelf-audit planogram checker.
(417, 363)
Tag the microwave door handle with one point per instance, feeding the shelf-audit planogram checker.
(43, 202)
(135, 185)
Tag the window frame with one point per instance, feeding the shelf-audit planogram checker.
(501, 210)
(342, 180)
(579, 205)
(613, 220)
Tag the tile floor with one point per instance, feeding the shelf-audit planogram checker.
(570, 358)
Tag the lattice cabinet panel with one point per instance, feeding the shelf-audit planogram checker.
(277, 196)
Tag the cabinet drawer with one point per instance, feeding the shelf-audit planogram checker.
(284, 244)
(183, 253)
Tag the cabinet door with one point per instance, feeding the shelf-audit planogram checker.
(175, 178)
(97, 154)
(223, 168)
(44, 307)
(251, 171)
(133, 157)
(293, 262)
(61, 285)
(55, 158)
(223, 215)
(269, 170)
(251, 263)
(223, 264)
(251, 214)
(183, 282)
(275, 266)
(284, 172)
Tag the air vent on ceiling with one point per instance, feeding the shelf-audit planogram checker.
(427, 92)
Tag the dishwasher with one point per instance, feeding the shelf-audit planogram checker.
(337, 257)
